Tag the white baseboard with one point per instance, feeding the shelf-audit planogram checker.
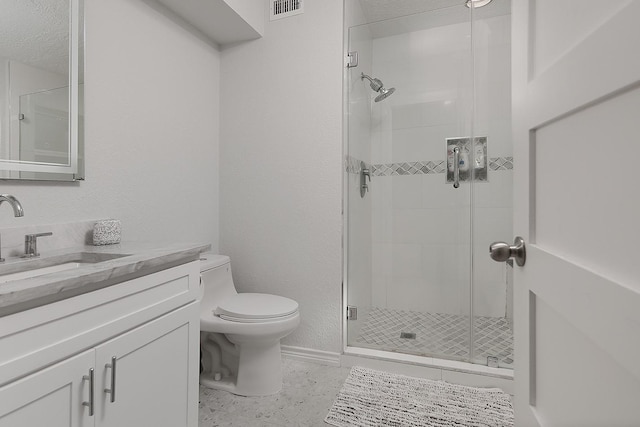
(311, 355)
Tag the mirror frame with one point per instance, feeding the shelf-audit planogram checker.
(74, 171)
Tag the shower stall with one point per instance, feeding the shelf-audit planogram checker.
(427, 180)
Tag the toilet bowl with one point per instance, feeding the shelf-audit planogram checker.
(240, 332)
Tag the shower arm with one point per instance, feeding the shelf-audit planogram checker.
(364, 76)
(375, 84)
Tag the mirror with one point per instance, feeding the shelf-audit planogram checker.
(41, 90)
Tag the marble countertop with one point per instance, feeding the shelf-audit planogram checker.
(139, 260)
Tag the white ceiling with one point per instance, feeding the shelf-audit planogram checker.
(36, 32)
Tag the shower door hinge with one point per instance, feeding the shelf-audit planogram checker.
(352, 312)
(352, 59)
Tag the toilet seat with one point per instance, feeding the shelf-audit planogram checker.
(256, 308)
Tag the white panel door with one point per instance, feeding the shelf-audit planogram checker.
(156, 375)
(576, 117)
(51, 397)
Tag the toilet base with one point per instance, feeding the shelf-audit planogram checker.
(259, 370)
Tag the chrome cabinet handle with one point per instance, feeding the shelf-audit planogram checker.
(501, 251)
(456, 167)
(91, 400)
(112, 390)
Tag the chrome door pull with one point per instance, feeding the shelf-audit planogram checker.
(90, 402)
(112, 390)
(501, 251)
(456, 167)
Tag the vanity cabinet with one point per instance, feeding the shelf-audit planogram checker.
(152, 334)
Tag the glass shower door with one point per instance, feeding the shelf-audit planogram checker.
(408, 246)
(492, 198)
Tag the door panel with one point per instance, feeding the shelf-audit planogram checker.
(577, 300)
(154, 374)
(51, 397)
(588, 159)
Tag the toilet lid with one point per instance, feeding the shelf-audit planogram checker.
(248, 307)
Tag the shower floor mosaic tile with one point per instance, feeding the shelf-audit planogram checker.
(437, 334)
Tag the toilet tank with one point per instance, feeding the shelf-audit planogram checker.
(216, 280)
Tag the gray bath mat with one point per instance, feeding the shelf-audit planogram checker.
(373, 398)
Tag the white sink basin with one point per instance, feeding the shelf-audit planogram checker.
(25, 269)
(40, 271)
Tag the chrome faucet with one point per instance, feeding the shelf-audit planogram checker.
(31, 244)
(17, 211)
(15, 204)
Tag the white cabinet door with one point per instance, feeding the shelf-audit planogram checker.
(155, 375)
(576, 116)
(51, 397)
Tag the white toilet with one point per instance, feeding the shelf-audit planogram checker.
(240, 333)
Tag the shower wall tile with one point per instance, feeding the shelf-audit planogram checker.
(436, 193)
(490, 224)
(410, 225)
(446, 275)
(424, 142)
(406, 261)
(381, 257)
(406, 294)
(498, 131)
(423, 114)
(497, 193)
(381, 146)
(436, 226)
(406, 191)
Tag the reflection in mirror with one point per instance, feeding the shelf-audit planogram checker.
(41, 80)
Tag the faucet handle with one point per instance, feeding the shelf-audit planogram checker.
(36, 235)
(31, 244)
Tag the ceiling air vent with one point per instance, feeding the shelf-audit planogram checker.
(285, 8)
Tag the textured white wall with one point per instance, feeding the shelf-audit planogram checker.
(152, 130)
(280, 167)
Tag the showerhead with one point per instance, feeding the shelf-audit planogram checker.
(376, 86)
(384, 93)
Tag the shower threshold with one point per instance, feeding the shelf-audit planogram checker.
(436, 335)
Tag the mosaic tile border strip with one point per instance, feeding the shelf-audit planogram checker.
(412, 168)
(501, 163)
(352, 165)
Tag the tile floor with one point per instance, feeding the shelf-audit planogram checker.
(437, 334)
(308, 392)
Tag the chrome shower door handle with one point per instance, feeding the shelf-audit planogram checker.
(456, 167)
(501, 251)
(364, 174)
